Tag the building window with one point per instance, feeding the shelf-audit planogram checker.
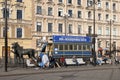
(114, 6)
(70, 28)
(39, 27)
(99, 30)
(6, 13)
(60, 27)
(114, 17)
(114, 31)
(70, 13)
(99, 3)
(8, 32)
(60, 1)
(79, 14)
(79, 2)
(19, 14)
(3, 31)
(60, 12)
(107, 44)
(79, 29)
(89, 3)
(49, 11)
(89, 15)
(99, 16)
(19, 32)
(19, 0)
(107, 17)
(107, 30)
(69, 1)
(49, 27)
(89, 30)
(107, 5)
(39, 10)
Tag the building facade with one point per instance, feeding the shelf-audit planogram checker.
(19, 24)
(32, 21)
(76, 17)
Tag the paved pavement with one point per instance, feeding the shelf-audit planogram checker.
(14, 71)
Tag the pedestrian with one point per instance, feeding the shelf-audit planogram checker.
(44, 61)
(74, 59)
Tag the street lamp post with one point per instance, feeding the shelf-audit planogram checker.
(94, 52)
(110, 36)
(6, 37)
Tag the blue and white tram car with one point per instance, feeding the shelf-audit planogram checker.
(72, 45)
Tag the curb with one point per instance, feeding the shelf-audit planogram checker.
(55, 71)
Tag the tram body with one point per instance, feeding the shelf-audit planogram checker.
(72, 45)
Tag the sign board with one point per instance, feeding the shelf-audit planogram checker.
(77, 39)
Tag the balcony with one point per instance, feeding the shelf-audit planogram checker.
(19, 4)
(50, 2)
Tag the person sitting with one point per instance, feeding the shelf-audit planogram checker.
(62, 61)
(30, 63)
(74, 59)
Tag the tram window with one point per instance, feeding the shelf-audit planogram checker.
(66, 47)
(56, 46)
(88, 47)
(75, 47)
(60, 47)
(84, 47)
(71, 47)
(79, 47)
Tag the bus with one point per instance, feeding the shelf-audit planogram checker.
(68, 46)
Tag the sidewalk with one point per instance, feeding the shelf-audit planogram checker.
(28, 71)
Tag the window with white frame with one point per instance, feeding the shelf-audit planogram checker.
(107, 17)
(39, 10)
(89, 3)
(99, 16)
(114, 6)
(79, 29)
(50, 11)
(69, 1)
(107, 30)
(114, 31)
(107, 5)
(89, 15)
(60, 12)
(78, 2)
(8, 32)
(19, 14)
(79, 14)
(107, 44)
(3, 32)
(89, 30)
(99, 3)
(19, 0)
(99, 30)
(60, 26)
(6, 13)
(50, 27)
(70, 28)
(39, 27)
(70, 13)
(19, 33)
(114, 17)
(60, 1)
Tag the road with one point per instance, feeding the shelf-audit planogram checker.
(108, 74)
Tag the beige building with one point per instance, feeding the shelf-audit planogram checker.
(19, 24)
(31, 21)
(76, 17)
